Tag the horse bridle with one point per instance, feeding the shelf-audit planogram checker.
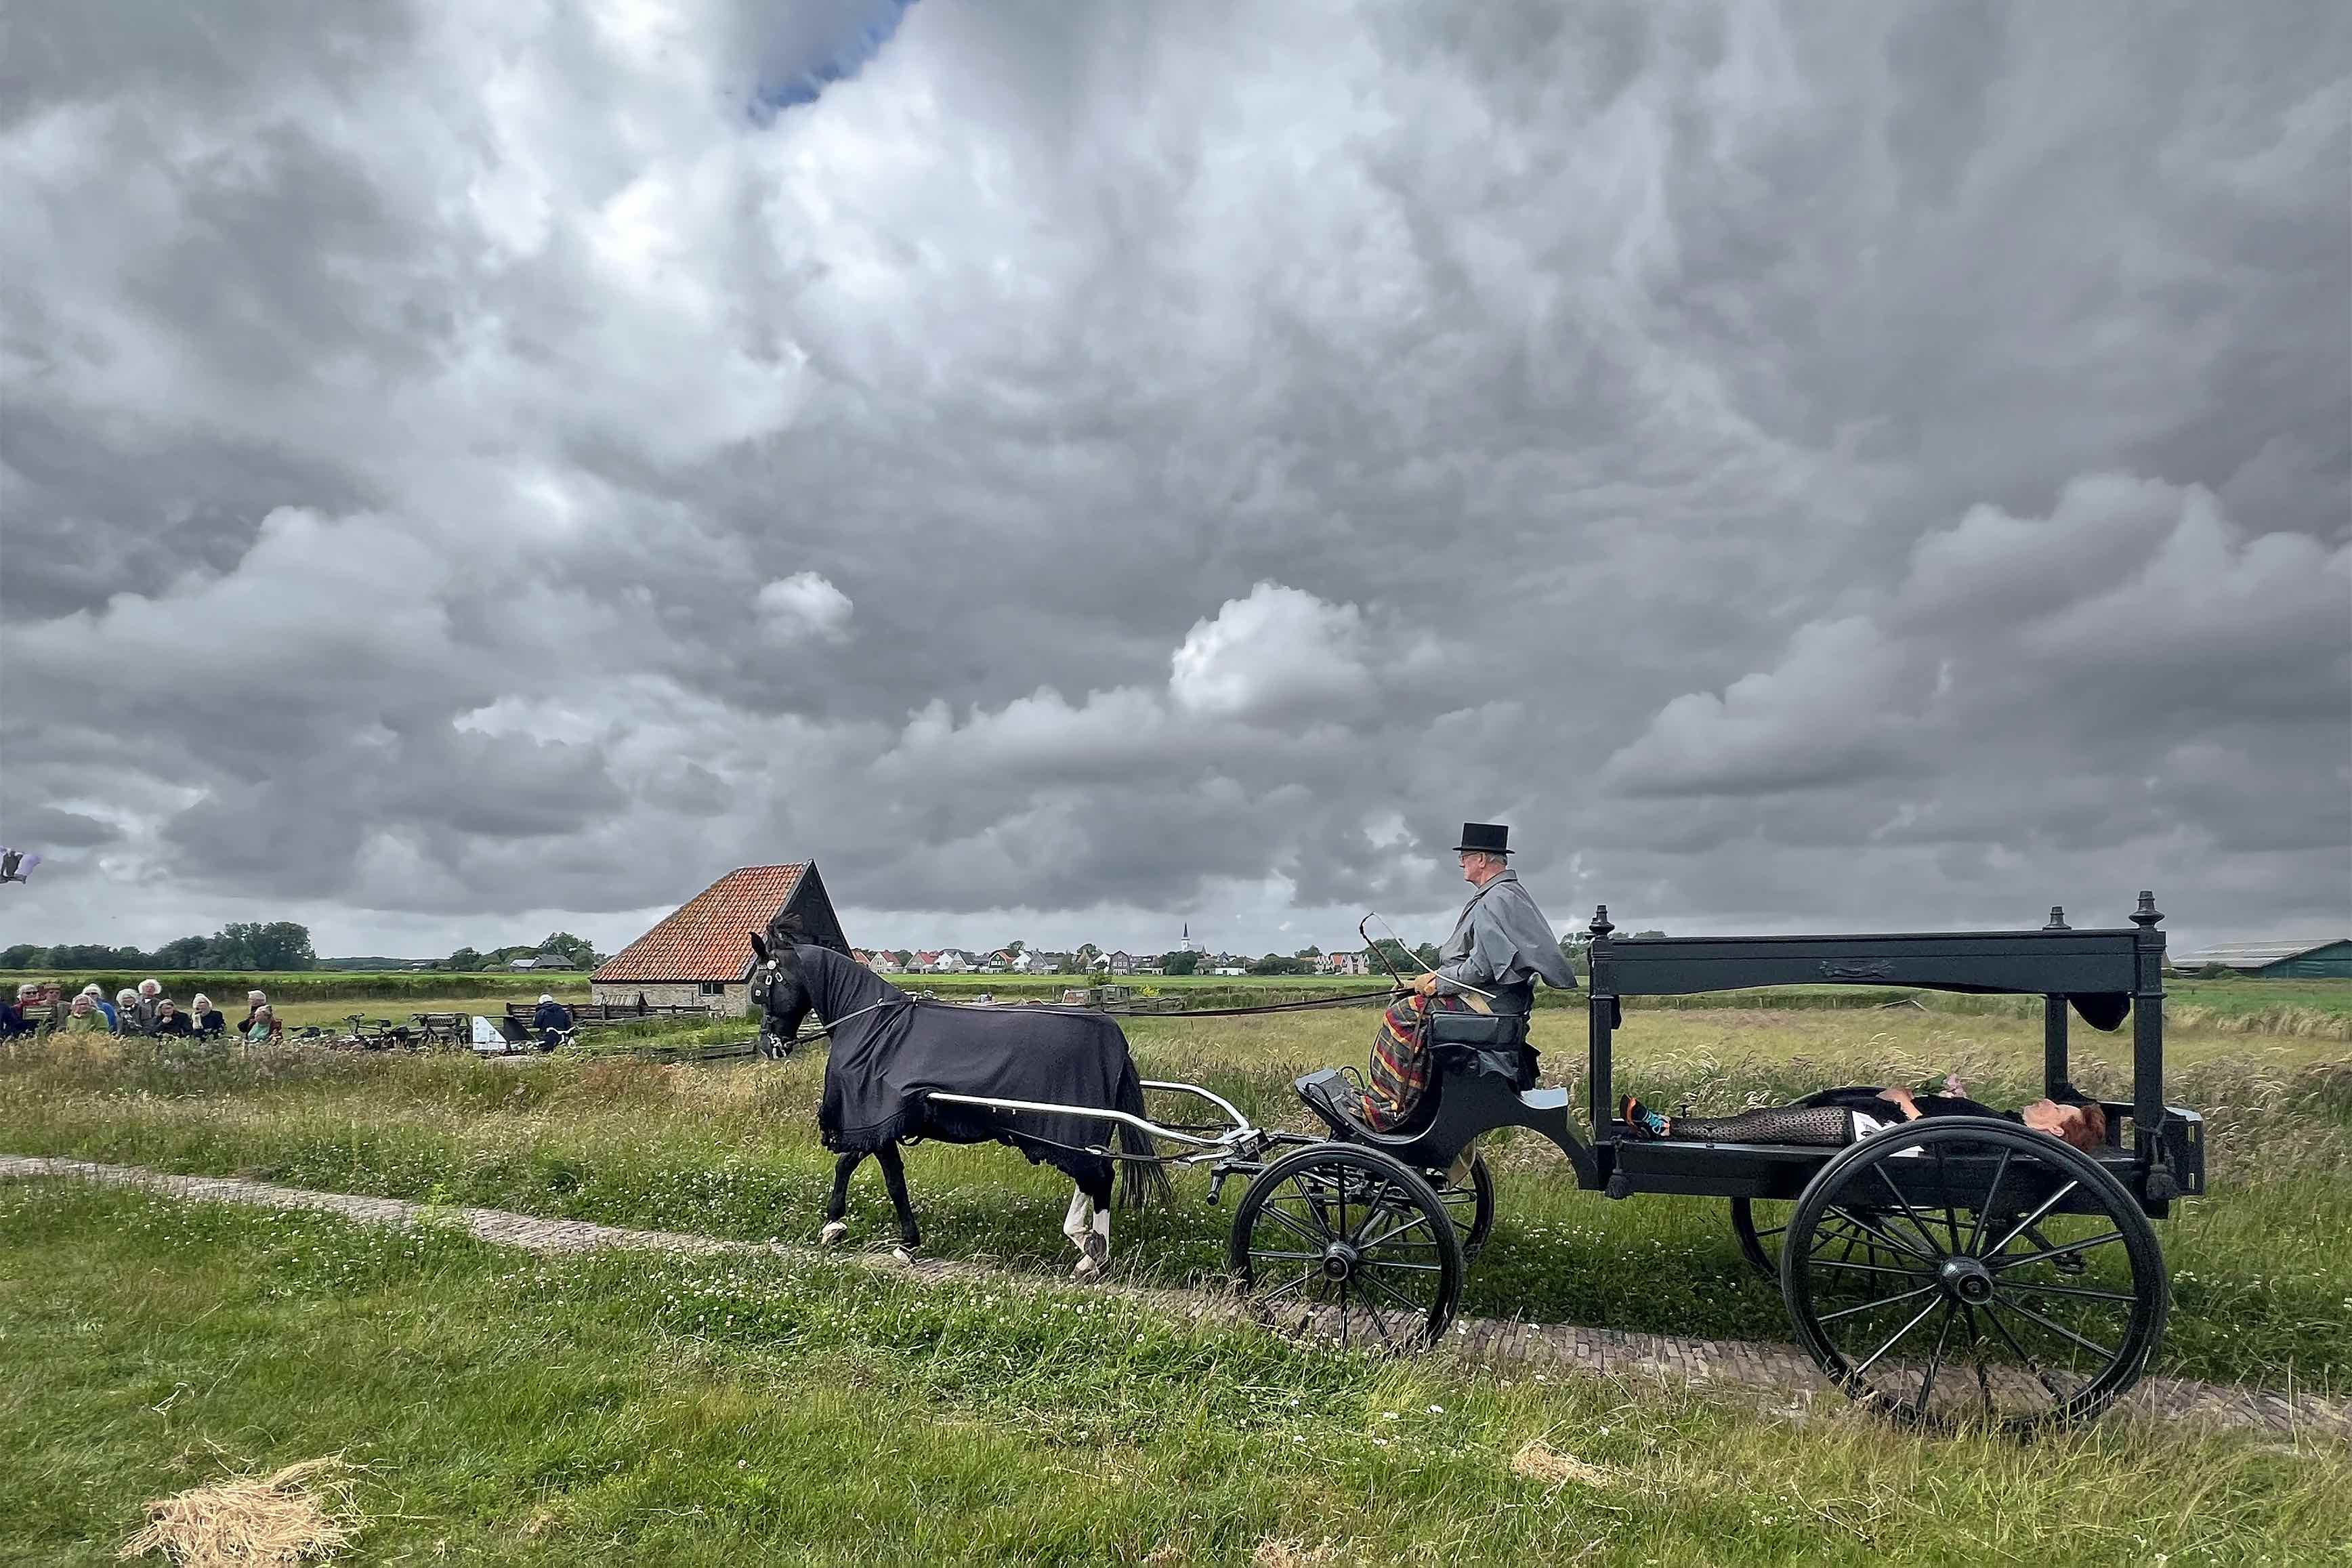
(822, 1030)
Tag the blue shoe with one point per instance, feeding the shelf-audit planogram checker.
(1641, 1125)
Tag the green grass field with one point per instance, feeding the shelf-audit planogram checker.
(527, 1411)
(623, 1410)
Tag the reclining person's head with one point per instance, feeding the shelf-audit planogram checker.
(2082, 1124)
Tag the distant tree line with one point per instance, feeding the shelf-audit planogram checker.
(581, 954)
(239, 945)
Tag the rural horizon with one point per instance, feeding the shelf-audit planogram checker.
(705, 705)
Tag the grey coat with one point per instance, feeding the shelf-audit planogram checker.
(1502, 943)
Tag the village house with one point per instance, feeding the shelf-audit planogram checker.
(1344, 964)
(700, 955)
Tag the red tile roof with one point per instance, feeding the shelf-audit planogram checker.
(710, 936)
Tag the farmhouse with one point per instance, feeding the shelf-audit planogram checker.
(702, 953)
(2313, 959)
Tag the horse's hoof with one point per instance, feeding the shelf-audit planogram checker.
(1096, 1253)
(833, 1235)
(905, 1252)
(1085, 1269)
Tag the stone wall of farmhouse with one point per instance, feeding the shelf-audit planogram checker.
(734, 1002)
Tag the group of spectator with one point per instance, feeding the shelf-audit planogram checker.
(142, 1010)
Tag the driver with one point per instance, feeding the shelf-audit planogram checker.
(552, 1019)
(1501, 946)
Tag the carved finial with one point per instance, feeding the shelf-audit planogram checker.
(2146, 916)
(2057, 920)
(1600, 926)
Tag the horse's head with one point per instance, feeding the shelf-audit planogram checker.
(779, 986)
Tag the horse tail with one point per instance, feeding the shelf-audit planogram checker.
(1140, 1177)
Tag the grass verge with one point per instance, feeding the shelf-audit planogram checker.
(628, 1409)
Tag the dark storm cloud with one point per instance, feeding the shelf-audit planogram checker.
(1795, 465)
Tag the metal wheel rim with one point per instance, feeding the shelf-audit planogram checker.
(1471, 1206)
(1760, 1244)
(1951, 1315)
(1396, 1287)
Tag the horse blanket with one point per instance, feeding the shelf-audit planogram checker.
(889, 1050)
(1400, 1066)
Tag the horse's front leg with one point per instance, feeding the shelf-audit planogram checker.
(1088, 1225)
(836, 1229)
(894, 1176)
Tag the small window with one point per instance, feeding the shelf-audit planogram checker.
(714, 988)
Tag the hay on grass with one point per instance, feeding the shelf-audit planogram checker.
(1539, 1461)
(269, 1522)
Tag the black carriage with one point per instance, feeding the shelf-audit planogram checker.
(1953, 1266)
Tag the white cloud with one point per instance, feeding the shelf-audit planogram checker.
(804, 605)
(1831, 712)
(1276, 652)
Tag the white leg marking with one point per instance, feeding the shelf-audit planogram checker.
(1094, 1246)
(833, 1233)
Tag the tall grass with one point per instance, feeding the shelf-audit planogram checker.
(2264, 1295)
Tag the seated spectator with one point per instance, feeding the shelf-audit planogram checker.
(126, 1012)
(261, 1024)
(82, 1017)
(97, 995)
(13, 1021)
(551, 1018)
(151, 991)
(206, 1018)
(1835, 1117)
(254, 1002)
(170, 1019)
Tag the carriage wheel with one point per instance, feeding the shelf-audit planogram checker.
(1931, 1273)
(1760, 1245)
(1471, 1204)
(1351, 1242)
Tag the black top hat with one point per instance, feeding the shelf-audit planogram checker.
(1487, 838)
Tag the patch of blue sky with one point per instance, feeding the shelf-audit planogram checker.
(814, 44)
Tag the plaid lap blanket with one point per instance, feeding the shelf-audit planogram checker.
(1400, 1066)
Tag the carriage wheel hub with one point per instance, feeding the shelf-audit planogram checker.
(1339, 1261)
(1966, 1279)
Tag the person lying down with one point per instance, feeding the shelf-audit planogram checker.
(1835, 1117)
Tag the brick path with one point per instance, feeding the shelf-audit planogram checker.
(1778, 1372)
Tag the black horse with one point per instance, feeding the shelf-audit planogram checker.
(890, 1053)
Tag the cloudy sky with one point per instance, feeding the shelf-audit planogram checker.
(472, 469)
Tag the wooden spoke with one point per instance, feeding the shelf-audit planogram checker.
(1891, 1243)
(2037, 1290)
(1275, 1211)
(2048, 1204)
(1873, 1306)
(1985, 1210)
(1998, 1263)
(1870, 1269)
(1917, 1224)
(1936, 1358)
(1872, 1360)
(2026, 1357)
(2060, 1330)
